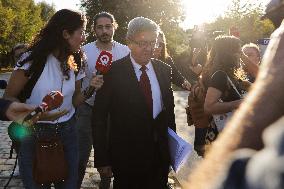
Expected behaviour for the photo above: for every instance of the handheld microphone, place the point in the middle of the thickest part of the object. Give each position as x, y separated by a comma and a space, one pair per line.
3, 84
18, 130
104, 62
103, 65
51, 101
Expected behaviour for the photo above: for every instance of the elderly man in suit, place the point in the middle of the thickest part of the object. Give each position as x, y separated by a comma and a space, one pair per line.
138, 100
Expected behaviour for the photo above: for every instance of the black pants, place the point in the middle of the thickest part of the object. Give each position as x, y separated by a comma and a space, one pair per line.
138, 178
199, 140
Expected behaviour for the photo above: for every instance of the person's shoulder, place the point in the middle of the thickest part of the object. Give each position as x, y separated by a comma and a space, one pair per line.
121, 62
118, 67
88, 46
219, 74
120, 45
161, 64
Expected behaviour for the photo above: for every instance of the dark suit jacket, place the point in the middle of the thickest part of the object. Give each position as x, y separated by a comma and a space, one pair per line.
133, 135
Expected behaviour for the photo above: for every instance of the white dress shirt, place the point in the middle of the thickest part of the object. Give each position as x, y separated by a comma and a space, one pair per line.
155, 87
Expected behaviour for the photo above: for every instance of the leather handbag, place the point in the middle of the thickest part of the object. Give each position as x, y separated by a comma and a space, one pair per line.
49, 164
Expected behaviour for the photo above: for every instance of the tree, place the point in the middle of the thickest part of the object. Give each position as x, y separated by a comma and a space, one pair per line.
47, 10
245, 15
167, 13
20, 20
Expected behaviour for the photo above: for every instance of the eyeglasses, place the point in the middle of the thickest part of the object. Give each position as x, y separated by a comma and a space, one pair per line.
144, 44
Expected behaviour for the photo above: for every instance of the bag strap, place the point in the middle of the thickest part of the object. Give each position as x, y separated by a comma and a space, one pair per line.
234, 87
29, 86
231, 83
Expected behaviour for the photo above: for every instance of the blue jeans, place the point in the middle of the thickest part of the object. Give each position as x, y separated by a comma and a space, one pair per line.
85, 142
68, 135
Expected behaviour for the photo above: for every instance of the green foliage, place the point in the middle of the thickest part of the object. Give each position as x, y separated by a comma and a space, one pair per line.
20, 20
46, 10
167, 13
246, 16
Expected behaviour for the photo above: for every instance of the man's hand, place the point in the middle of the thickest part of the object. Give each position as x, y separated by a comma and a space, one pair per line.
97, 81
186, 85
105, 171
17, 110
197, 69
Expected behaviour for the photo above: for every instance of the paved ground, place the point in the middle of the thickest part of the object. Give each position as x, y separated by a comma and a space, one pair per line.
92, 179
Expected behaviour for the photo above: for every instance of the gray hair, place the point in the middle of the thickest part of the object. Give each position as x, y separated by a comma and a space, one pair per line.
141, 24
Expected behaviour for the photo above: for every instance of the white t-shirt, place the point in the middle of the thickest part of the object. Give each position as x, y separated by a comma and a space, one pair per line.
52, 79
92, 53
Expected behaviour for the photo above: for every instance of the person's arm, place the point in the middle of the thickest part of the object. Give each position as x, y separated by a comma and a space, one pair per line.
16, 83
218, 85
18, 110
101, 110
263, 106
80, 96
177, 77
195, 65
212, 105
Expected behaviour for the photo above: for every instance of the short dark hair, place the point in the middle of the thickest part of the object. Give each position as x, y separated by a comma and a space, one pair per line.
105, 15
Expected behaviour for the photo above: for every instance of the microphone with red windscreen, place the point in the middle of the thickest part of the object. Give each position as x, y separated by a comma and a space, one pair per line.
103, 65
50, 102
104, 62
18, 130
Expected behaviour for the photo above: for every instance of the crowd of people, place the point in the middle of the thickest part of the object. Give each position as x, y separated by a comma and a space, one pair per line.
125, 114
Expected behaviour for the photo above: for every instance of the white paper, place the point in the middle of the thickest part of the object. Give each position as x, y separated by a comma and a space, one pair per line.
179, 150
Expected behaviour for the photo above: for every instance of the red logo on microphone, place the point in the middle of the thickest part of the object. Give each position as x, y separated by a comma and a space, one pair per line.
53, 100
104, 61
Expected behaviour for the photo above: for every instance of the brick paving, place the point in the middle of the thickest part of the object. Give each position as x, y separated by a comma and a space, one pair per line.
92, 178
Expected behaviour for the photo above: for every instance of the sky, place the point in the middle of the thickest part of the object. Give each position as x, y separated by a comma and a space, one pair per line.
197, 11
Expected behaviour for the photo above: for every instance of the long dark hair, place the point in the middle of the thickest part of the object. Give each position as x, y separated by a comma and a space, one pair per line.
222, 56
50, 38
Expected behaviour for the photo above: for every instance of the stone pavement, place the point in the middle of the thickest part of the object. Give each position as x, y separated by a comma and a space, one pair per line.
92, 178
